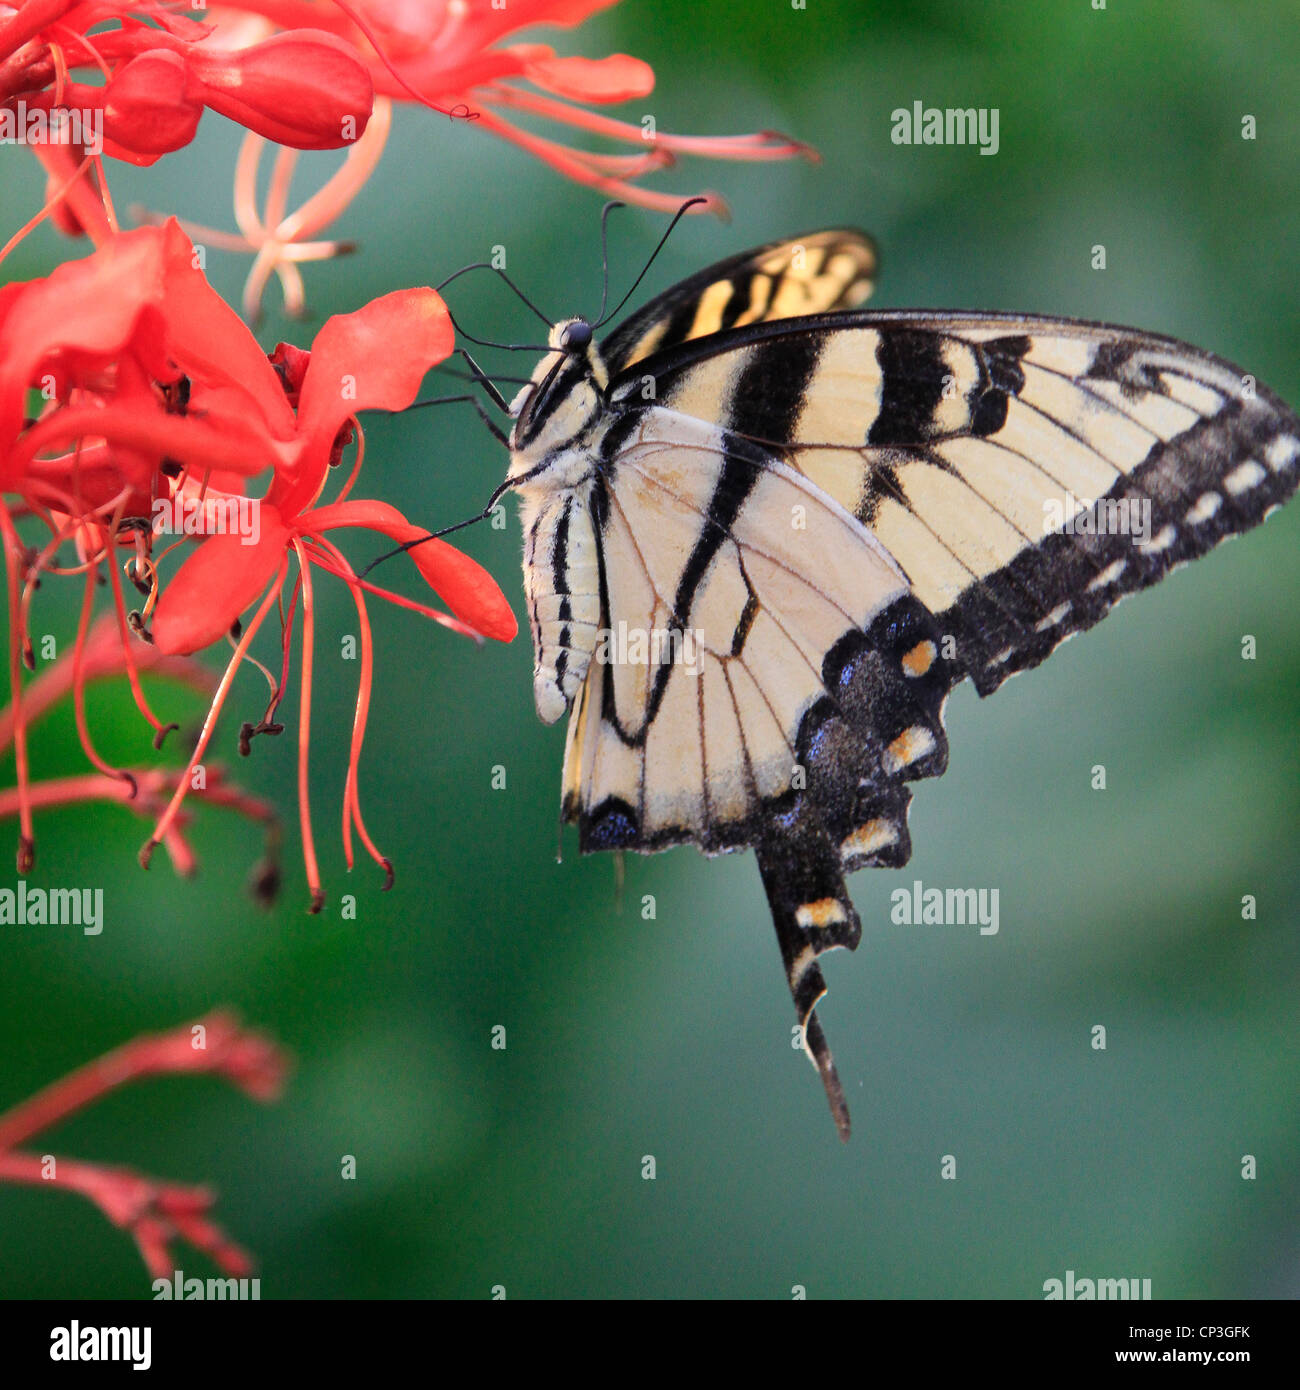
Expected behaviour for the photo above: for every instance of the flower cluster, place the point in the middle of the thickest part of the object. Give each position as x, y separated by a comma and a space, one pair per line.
194, 485
323, 74
157, 1214
157, 403
305, 88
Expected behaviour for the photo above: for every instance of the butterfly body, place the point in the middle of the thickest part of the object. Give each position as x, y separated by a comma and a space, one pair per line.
555, 464
818, 519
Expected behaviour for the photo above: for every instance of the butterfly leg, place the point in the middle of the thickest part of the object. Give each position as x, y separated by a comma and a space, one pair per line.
813, 913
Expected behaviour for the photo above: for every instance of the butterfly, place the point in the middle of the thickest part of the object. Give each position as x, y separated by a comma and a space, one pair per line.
766, 531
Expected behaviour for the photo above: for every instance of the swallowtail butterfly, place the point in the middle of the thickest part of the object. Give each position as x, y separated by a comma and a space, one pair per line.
837, 514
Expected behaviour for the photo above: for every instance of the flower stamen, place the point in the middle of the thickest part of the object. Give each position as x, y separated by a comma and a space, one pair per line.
210, 720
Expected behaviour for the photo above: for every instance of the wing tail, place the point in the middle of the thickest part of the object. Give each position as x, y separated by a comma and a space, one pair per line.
812, 913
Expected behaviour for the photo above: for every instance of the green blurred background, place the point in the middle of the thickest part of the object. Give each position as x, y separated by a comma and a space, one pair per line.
523, 1167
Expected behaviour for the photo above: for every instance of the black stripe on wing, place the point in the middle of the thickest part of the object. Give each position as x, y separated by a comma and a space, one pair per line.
675, 310
1217, 479
768, 394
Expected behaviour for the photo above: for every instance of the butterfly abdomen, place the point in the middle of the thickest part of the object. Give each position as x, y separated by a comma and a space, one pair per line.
563, 595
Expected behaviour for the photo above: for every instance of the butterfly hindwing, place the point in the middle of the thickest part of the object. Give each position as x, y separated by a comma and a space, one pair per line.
805, 689
692, 736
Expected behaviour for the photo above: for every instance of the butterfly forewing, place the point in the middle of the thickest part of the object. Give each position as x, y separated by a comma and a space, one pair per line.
812, 274
1024, 472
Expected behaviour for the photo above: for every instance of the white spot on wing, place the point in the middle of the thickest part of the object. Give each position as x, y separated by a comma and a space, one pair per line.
1109, 575
1054, 617
1244, 477
1282, 451
825, 912
868, 838
1207, 504
913, 743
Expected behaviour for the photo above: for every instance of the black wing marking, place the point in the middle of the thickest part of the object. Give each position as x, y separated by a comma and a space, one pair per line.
954, 482
816, 273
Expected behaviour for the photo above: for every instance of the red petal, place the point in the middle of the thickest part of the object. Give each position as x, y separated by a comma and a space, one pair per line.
463, 584
210, 342
616, 78
147, 104
308, 89
142, 294
374, 359
234, 444
90, 306
215, 585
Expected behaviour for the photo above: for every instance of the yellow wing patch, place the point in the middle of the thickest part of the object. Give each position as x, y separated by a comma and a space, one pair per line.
820, 273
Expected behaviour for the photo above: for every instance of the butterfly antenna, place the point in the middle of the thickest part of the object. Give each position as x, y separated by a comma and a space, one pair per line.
488, 342
496, 270
604, 255
446, 530
677, 217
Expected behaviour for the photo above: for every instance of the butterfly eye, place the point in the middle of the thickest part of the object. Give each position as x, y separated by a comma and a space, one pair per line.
576, 337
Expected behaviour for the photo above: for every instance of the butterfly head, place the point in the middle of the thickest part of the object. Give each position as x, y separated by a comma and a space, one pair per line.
573, 336
563, 398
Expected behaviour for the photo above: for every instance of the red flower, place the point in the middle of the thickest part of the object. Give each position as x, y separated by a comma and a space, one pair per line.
102, 655
308, 89
373, 359
158, 396
157, 1214
450, 54
106, 340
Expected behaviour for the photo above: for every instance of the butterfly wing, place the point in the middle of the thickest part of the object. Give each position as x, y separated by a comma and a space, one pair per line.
812, 274
850, 513
767, 674
1025, 473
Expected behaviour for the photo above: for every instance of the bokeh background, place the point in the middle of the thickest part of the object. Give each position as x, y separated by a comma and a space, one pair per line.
523, 1168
